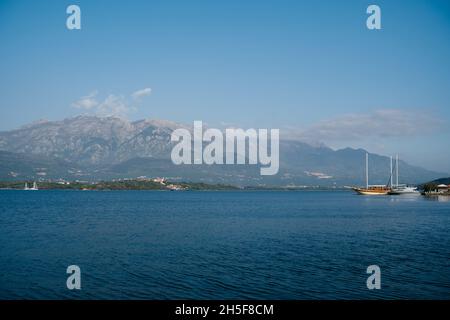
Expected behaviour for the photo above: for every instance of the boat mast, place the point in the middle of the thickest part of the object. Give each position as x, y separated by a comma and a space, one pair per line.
367, 170
390, 176
396, 170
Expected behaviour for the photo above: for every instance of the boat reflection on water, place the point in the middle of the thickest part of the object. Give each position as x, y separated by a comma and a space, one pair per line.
438, 198
407, 197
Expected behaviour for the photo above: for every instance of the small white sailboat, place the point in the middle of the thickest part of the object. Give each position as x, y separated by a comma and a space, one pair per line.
397, 188
35, 187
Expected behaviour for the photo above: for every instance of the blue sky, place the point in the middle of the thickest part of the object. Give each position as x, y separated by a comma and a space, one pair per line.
310, 68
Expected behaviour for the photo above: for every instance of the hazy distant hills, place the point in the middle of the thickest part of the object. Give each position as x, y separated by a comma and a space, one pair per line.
92, 148
441, 181
89, 140
17, 166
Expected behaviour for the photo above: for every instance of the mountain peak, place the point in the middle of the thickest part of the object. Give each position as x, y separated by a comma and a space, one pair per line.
35, 123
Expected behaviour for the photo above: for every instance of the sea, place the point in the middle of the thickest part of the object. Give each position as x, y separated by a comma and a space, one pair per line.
223, 245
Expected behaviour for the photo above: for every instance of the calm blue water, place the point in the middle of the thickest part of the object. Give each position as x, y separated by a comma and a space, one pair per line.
222, 245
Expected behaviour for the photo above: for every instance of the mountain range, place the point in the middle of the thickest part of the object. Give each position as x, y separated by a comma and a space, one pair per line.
101, 148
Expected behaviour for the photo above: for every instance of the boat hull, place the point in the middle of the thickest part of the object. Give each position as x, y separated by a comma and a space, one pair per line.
403, 190
371, 192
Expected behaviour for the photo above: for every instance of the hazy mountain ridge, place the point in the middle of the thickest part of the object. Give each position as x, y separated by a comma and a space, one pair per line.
91, 148
89, 140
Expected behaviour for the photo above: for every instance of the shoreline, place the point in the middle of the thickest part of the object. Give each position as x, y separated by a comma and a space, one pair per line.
164, 185
124, 185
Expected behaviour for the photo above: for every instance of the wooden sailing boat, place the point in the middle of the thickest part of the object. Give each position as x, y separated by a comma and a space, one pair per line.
371, 190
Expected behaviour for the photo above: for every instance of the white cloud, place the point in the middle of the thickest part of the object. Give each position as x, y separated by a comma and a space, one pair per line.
141, 93
384, 123
87, 102
112, 105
